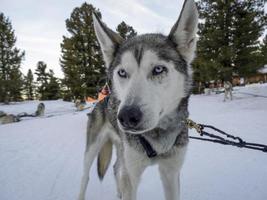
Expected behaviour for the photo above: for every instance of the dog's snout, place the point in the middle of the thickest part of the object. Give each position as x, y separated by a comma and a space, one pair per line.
130, 117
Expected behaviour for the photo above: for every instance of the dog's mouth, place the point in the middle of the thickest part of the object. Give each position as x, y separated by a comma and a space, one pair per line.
136, 130
130, 130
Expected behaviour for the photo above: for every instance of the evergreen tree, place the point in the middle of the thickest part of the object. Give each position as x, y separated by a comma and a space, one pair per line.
214, 47
248, 25
42, 80
53, 87
125, 30
11, 81
29, 85
264, 51
48, 85
81, 58
228, 38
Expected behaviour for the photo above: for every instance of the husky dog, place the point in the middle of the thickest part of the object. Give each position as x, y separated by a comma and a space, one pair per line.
40, 110
2, 113
228, 90
6, 119
144, 116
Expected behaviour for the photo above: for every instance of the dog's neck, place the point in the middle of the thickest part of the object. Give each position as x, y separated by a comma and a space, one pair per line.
171, 131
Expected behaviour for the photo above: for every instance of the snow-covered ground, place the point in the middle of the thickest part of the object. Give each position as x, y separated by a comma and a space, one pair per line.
41, 159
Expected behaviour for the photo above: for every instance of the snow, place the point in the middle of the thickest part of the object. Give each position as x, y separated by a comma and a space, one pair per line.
263, 70
41, 159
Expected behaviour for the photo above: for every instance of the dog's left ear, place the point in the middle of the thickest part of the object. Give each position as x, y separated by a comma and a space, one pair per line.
183, 33
108, 39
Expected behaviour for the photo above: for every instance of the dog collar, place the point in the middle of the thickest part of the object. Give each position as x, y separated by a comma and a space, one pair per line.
150, 152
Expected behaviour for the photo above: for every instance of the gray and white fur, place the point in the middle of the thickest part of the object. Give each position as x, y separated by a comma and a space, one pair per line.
228, 90
151, 83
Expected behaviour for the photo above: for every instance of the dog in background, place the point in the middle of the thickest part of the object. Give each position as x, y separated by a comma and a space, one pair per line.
228, 90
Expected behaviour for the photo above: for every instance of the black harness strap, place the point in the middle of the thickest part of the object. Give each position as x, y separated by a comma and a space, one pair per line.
151, 153
232, 140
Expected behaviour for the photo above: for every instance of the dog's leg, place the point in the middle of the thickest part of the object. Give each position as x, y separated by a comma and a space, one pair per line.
89, 156
170, 175
133, 165
129, 181
231, 94
96, 137
171, 182
225, 95
117, 168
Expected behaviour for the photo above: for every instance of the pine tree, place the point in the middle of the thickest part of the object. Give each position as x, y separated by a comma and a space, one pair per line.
248, 25
11, 81
264, 51
29, 85
48, 85
42, 80
214, 51
81, 58
126, 31
53, 87
228, 38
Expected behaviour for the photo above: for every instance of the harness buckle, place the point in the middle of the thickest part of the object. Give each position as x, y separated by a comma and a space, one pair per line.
193, 125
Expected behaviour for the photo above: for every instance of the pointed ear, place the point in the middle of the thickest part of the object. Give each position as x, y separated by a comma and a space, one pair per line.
108, 39
183, 33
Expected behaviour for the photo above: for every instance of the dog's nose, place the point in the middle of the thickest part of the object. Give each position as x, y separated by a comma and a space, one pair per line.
130, 116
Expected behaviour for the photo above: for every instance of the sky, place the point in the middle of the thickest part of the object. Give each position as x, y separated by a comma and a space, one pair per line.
40, 25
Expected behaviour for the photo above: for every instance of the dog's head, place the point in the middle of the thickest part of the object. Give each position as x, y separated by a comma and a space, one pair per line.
150, 73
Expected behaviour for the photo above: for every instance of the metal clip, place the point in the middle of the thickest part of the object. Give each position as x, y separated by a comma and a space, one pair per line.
191, 124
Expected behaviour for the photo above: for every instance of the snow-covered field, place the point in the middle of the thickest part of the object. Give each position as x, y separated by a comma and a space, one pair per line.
41, 159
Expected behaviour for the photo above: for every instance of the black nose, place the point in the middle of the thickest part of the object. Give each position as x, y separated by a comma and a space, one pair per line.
130, 116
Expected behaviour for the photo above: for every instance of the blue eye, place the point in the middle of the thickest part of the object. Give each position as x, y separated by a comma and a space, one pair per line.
122, 73
159, 69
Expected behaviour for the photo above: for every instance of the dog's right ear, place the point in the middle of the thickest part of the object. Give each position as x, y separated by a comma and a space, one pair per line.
183, 33
108, 39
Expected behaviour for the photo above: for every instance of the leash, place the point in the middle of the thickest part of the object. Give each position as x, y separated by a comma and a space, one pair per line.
24, 114
232, 140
